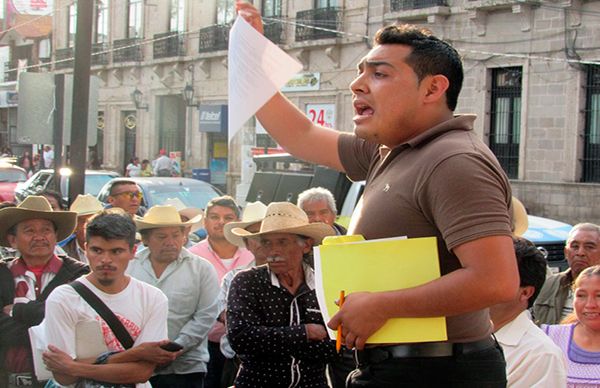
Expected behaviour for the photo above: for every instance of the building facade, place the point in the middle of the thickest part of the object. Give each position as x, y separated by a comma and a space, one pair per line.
532, 75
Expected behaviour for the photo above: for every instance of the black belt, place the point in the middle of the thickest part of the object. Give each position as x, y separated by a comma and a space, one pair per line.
373, 355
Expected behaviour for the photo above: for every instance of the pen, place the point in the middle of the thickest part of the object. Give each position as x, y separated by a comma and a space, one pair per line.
338, 340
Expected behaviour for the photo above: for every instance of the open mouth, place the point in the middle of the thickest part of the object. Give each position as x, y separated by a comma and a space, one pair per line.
363, 109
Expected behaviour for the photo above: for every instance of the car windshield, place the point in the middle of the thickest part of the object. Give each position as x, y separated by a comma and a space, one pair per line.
93, 183
191, 196
12, 176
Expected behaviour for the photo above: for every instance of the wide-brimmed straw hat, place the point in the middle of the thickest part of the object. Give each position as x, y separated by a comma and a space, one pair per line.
520, 223
285, 217
160, 216
36, 207
187, 212
253, 212
85, 205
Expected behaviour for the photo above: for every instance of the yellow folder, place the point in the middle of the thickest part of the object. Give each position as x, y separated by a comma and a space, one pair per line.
352, 264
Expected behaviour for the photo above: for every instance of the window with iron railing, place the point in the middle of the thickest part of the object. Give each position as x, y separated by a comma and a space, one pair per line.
127, 50
225, 11
213, 38
177, 15
63, 58
319, 23
168, 44
505, 125
71, 25
273, 29
591, 138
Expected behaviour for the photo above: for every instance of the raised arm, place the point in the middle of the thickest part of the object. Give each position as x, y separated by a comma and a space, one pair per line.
287, 124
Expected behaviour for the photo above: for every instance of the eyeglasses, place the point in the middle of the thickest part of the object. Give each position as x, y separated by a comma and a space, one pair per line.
130, 194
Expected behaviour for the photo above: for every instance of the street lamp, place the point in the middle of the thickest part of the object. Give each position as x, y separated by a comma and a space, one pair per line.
136, 97
188, 95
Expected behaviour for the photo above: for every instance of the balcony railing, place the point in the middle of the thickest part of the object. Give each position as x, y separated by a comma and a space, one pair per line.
274, 31
12, 74
404, 5
100, 54
328, 18
61, 55
127, 50
168, 44
214, 38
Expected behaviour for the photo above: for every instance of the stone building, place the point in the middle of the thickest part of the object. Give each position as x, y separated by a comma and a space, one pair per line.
532, 75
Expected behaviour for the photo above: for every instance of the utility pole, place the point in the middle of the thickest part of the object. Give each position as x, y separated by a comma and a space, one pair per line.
81, 96
59, 97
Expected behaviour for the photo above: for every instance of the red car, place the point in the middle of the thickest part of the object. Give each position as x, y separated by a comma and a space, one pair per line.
10, 175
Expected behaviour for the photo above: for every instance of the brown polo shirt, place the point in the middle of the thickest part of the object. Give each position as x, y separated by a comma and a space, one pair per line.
444, 183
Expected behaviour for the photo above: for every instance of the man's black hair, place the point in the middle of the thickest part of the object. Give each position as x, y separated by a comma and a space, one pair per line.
224, 201
54, 194
118, 183
430, 56
111, 225
532, 266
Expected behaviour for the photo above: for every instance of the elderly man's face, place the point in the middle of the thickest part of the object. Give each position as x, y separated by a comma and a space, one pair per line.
253, 244
34, 238
128, 197
284, 251
165, 243
319, 211
582, 250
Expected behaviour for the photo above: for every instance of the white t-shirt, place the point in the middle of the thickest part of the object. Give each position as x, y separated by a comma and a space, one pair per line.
48, 158
140, 307
134, 170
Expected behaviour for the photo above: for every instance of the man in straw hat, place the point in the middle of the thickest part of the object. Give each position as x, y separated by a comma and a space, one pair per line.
32, 228
85, 206
187, 213
191, 285
273, 318
252, 217
139, 307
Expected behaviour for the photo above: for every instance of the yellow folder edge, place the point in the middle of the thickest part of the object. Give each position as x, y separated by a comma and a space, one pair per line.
352, 264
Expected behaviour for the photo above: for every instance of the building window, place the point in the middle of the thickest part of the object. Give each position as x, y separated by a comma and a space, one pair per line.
71, 25
101, 26
271, 8
325, 3
177, 20
505, 128
591, 139
225, 11
134, 19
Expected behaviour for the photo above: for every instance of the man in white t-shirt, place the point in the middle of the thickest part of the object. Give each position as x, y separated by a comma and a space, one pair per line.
48, 156
140, 307
134, 168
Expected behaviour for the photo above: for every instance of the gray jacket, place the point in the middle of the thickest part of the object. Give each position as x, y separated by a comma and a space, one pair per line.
549, 304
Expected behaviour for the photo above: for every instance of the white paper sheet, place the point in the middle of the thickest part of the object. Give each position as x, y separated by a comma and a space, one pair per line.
257, 70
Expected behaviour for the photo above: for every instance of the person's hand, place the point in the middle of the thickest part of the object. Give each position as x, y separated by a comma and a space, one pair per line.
57, 361
152, 352
250, 14
7, 309
359, 317
315, 332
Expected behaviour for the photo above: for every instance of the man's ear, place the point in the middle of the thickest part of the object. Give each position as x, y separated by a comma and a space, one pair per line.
309, 244
110, 199
525, 293
436, 86
12, 240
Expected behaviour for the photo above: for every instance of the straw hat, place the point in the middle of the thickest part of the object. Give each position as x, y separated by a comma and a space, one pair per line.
162, 217
253, 212
187, 212
520, 222
85, 205
36, 207
285, 217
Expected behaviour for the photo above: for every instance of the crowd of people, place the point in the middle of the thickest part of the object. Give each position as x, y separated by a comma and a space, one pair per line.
240, 308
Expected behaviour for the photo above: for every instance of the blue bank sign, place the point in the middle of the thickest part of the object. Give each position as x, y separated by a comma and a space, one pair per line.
213, 118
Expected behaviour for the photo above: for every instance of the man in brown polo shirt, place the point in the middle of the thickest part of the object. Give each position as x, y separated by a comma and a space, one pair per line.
427, 174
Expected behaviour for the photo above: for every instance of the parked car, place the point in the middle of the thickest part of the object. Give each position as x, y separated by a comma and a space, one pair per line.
44, 179
10, 176
156, 190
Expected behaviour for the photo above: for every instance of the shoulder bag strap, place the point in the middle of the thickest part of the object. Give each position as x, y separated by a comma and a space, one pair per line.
109, 317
